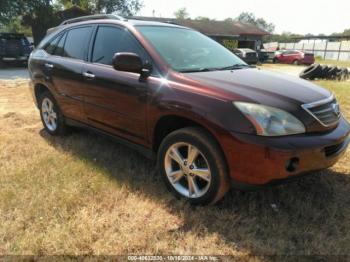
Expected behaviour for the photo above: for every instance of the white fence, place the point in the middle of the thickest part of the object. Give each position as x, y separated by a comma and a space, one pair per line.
326, 50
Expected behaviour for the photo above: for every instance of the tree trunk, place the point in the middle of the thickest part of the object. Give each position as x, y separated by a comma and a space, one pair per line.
38, 32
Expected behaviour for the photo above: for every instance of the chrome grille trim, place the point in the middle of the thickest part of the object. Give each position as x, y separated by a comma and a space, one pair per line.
326, 116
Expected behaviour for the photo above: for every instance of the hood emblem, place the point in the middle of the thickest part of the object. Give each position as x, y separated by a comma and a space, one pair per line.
336, 109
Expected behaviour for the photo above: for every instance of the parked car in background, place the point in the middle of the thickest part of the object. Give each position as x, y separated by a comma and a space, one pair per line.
14, 48
247, 55
177, 95
294, 57
266, 55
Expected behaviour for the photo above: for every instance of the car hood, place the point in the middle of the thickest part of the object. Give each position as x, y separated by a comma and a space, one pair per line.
261, 86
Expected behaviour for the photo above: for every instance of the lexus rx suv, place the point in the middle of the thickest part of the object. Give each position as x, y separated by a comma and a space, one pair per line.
170, 92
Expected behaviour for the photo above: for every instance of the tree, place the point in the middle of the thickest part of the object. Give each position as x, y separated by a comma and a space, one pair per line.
16, 26
249, 18
346, 32
285, 37
40, 14
37, 14
203, 18
182, 13
123, 7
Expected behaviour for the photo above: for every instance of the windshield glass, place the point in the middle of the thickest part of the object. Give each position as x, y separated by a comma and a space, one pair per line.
186, 50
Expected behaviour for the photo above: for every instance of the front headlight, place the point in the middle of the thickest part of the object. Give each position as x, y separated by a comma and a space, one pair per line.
270, 121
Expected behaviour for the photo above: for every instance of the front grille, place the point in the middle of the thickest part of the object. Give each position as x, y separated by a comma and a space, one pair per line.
326, 111
331, 150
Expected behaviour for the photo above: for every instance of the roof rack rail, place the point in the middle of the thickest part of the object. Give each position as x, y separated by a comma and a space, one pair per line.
92, 17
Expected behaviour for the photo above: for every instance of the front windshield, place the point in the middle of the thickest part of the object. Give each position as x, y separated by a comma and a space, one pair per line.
186, 50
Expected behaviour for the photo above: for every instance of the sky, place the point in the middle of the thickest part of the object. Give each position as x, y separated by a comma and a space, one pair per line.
296, 16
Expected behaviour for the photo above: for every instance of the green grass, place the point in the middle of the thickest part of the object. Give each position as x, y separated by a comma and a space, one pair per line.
333, 62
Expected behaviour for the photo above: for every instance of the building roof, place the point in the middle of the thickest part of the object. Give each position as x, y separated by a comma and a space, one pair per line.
212, 27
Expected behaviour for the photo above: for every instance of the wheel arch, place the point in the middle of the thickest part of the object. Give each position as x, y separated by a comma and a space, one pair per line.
39, 89
172, 122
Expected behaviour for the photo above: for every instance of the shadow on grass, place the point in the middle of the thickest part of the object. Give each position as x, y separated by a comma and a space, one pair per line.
309, 216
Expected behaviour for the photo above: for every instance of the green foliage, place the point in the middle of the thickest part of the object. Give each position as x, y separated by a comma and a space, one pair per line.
16, 26
249, 18
123, 7
203, 18
346, 31
40, 14
182, 13
230, 44
285, 37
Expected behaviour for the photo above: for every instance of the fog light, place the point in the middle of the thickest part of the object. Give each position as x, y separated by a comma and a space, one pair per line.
292, 164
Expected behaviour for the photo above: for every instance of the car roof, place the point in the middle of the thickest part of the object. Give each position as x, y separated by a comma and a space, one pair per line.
125, 22
136, 22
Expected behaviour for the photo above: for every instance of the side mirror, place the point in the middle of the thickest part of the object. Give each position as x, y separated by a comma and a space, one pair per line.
131, 62
128, 62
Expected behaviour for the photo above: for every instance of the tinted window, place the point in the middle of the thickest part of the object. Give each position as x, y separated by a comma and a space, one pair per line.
59, 50
50, 47
110, 40
77, 42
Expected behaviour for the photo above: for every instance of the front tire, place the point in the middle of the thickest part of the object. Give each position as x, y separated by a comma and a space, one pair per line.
193, 166
51, 115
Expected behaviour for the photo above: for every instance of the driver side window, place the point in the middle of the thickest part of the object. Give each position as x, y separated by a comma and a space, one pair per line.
110, 40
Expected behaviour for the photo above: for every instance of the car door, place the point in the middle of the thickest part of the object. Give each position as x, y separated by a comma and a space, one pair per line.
289, 57
65, 67
115, 101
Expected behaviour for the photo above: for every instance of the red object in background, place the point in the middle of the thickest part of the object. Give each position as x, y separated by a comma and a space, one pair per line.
294, 57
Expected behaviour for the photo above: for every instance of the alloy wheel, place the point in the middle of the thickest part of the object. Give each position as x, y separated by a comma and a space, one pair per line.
187, 169
49, 114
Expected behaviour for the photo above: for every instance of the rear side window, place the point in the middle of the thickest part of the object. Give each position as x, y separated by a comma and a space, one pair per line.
110, 40
59, 50
76, 42
50, 47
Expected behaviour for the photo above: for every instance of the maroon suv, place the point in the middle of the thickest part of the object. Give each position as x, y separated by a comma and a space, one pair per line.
171, 92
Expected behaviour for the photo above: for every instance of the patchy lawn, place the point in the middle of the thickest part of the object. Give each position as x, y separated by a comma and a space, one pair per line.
83, 194
333, 62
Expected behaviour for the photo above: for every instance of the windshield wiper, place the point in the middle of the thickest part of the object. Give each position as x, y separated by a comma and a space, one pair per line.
203, 69
232, 67
206, 69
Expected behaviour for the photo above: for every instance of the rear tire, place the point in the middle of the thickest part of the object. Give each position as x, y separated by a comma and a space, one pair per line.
193, 166
51, 115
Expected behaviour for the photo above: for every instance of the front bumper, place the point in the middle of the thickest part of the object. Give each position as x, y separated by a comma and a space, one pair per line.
258, 160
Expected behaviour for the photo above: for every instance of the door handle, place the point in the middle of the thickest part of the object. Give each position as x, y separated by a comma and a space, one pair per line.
49, 66
88, 75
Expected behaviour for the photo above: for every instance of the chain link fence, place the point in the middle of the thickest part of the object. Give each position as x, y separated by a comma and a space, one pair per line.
327, 50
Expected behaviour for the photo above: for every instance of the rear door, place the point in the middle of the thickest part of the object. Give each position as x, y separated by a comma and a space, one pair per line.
64, 68
115, 101
289, 57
